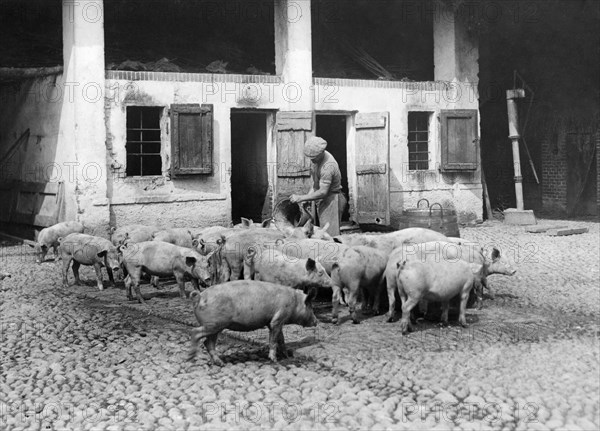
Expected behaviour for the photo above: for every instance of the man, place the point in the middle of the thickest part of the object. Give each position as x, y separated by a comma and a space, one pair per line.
327, 185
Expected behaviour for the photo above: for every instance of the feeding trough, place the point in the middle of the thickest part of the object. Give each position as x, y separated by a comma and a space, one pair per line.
433, 217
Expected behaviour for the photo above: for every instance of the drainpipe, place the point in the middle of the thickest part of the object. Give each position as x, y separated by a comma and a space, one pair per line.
513, 134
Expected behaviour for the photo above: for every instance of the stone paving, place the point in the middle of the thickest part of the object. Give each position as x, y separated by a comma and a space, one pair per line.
79, 358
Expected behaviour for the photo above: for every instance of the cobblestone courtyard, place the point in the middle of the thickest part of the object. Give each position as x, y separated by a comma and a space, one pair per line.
79, 358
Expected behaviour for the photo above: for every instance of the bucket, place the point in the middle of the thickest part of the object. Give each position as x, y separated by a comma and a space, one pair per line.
291, 214
438, 219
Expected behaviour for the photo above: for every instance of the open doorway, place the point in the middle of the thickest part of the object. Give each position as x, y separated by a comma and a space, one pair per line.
249, 178
332, 128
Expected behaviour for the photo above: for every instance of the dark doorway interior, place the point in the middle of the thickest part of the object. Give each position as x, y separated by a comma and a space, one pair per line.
249, 179
332, 128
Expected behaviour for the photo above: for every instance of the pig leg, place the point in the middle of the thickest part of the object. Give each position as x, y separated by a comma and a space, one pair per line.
76, 266
274, 335
128, 287
391, 291
181, 283
98, 269
407, 305
66, 263
196, 284
484, 284
56, 255
134, 277
336, 295
281, 346
445, 308
111, 278
464, 297
353, 288
154, 281
211, 343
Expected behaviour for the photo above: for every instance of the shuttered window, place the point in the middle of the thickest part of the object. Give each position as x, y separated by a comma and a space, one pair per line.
460, 141
192, 140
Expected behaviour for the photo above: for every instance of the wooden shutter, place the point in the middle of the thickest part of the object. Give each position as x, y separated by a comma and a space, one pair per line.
372, 173
192, 139
293, 168
460, 142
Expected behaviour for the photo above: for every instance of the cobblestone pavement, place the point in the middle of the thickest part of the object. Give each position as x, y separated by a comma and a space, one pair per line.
79, 358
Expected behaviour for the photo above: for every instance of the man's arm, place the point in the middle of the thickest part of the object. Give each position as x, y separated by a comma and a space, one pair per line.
313, 195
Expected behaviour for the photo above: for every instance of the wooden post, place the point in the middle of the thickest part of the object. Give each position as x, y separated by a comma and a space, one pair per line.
513, 129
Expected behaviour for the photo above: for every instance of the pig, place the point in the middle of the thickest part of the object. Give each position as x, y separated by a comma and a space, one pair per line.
85, 249
424, 276
238, 243
360, 267
246, 305
273, 266
162, 259
309, 230
48, 237
132, 233
448, 252
327, 253
249, 224
387, 242
177, 236
207, 240
4, 275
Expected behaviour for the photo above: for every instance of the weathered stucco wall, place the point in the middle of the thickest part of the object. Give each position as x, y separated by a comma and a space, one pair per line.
202, 200
461, 191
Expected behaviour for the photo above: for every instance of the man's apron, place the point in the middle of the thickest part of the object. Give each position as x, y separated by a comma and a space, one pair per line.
330, 210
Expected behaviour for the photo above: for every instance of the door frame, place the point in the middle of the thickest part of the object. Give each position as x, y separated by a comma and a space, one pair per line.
271, 144
350, 152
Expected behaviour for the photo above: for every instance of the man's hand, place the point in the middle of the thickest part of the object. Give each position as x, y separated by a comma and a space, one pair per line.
295, 198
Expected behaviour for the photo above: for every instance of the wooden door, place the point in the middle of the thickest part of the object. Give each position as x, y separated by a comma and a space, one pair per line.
372, 168
293, 168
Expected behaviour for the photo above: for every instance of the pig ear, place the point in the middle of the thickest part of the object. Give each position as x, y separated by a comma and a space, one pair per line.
195, 242
495, 253
336, 239
266, 223
246, 222
112, 230
103, 253
190, 260
121, 248
310, 265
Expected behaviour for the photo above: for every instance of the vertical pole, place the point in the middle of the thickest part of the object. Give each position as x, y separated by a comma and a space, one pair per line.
513, 129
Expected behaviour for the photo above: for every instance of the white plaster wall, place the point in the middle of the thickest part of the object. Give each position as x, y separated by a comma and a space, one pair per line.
460, 191
201, 199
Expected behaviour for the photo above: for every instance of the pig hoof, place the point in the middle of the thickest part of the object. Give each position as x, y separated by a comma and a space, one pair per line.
218, 362
334, 320
355, 321
289, 353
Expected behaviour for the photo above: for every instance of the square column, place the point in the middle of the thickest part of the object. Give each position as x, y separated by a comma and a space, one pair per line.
82, 126
293, 53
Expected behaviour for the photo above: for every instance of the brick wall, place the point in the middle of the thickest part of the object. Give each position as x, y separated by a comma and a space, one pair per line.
554, 171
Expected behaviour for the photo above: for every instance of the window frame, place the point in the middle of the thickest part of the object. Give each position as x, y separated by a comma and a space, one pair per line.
161, 111
429, 115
